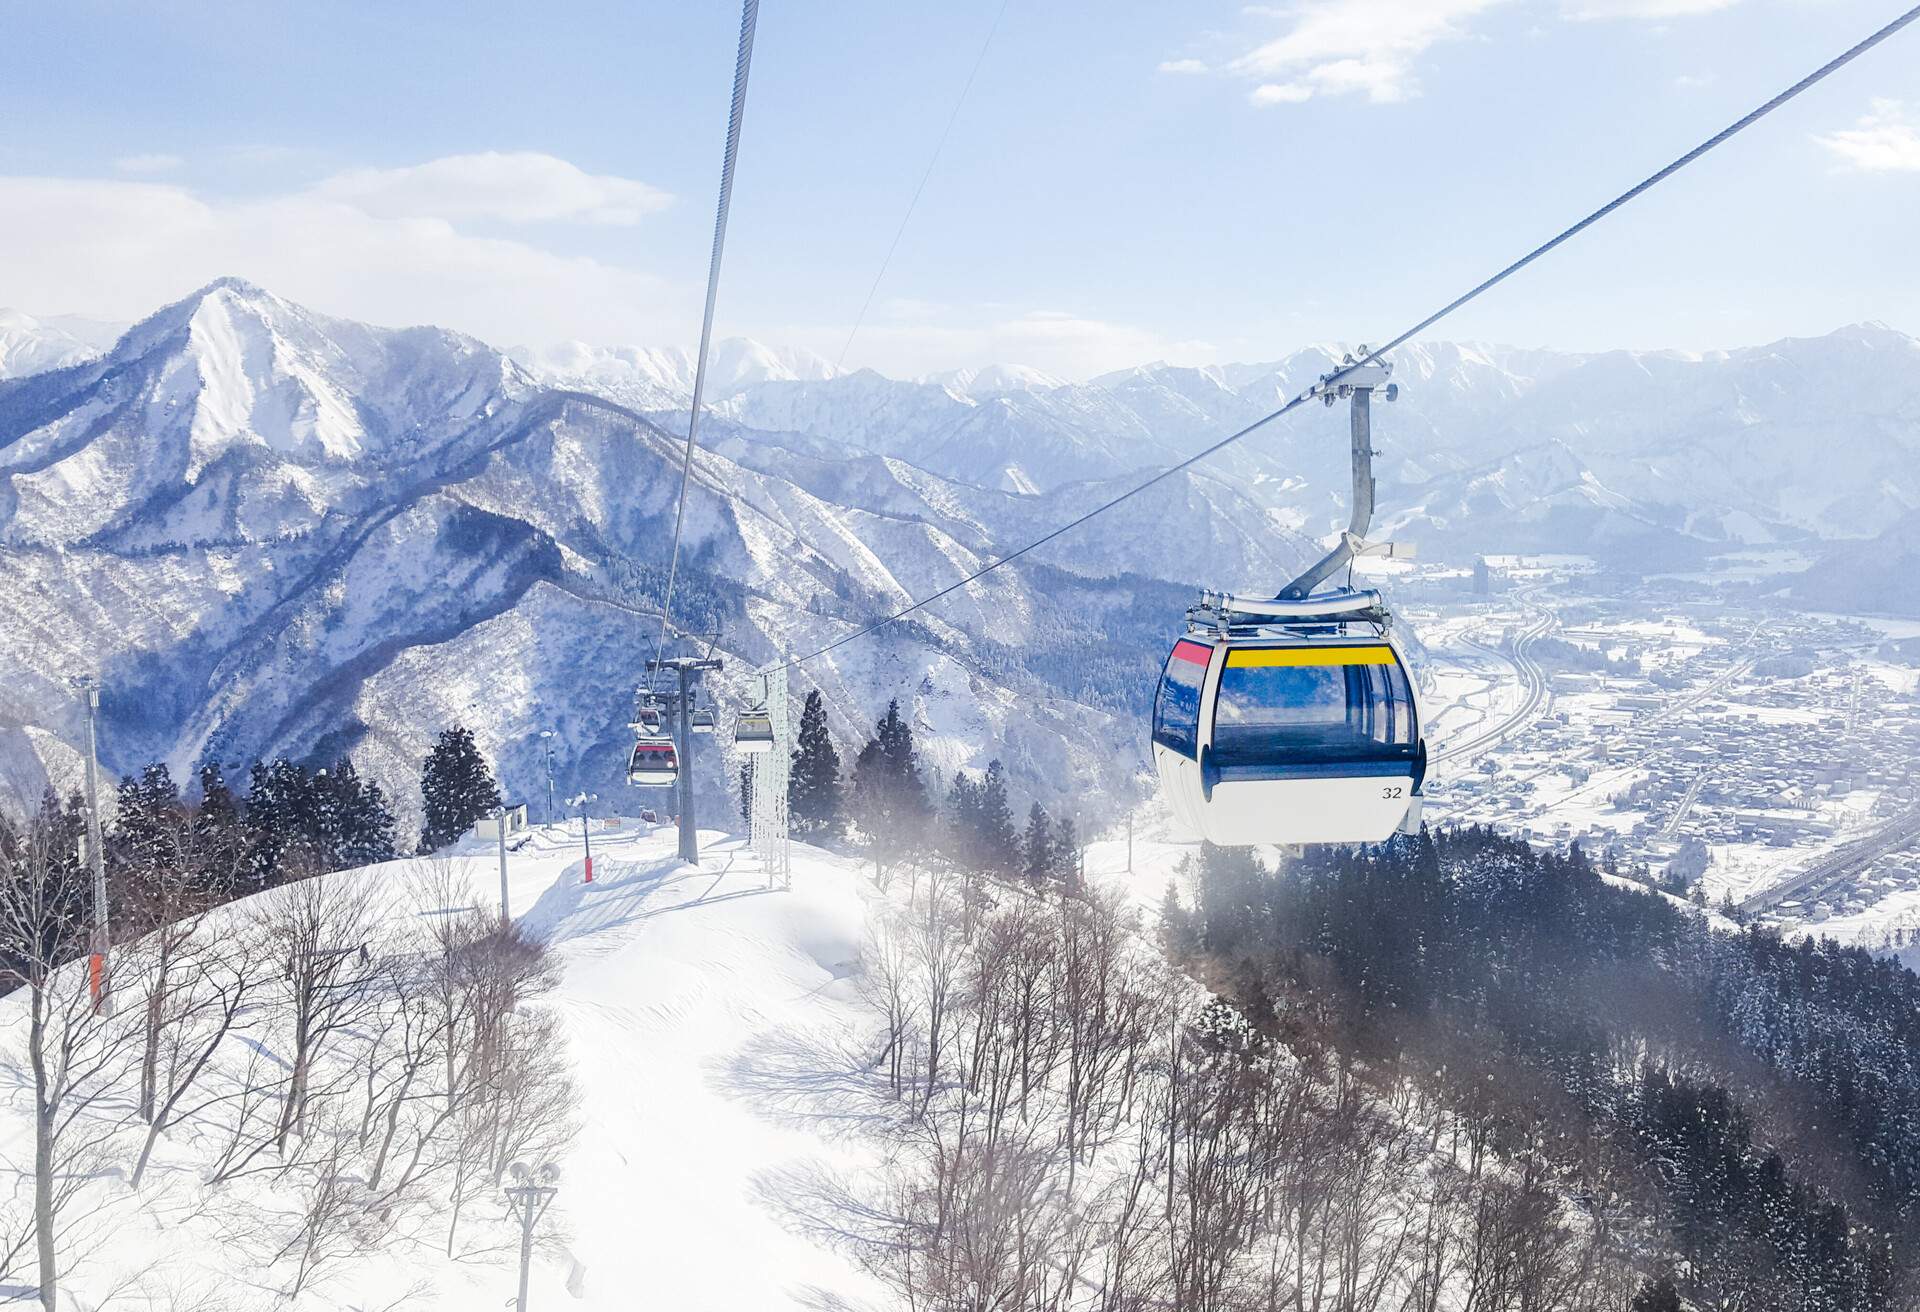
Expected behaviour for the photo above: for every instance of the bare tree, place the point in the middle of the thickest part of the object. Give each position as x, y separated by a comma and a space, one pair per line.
80, 1057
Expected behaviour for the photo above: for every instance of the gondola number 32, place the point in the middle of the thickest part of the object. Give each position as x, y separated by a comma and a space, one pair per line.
1394, 790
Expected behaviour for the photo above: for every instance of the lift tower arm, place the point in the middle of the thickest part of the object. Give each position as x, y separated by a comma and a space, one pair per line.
1358, 386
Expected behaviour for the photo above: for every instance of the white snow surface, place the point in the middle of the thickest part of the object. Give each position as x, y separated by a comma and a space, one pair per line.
682, 988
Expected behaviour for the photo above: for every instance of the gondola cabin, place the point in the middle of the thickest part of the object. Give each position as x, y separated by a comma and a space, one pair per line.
701, 719
753, 731
1280, 737
654, 763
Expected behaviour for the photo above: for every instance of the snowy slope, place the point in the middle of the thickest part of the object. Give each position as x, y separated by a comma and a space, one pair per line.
681, 988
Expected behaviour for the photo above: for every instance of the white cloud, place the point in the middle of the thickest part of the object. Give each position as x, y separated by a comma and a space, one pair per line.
1183, 66
1280, 93
1370, 47
1886, 140
513, 186
142, 164
120, 249
1693, 81
1374, 48
1654, 9
1062, 343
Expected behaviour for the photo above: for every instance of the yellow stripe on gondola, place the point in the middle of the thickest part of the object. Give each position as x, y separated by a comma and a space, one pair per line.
1371, 655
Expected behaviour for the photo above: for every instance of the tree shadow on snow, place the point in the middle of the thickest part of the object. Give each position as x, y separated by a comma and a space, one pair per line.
623, 893
808, 1080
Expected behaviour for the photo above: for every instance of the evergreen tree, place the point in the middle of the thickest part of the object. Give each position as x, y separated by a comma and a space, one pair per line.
1066, 855
279, 824
352, 823
815, 805
999, 844
145, 821
219, 835
1657, 1296
889, 797
1036, 846
456, 788
147, 843
1179, 935
960, 834
746, 794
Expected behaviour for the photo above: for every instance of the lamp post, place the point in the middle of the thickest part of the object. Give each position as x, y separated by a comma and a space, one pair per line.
586, 838
530, 1195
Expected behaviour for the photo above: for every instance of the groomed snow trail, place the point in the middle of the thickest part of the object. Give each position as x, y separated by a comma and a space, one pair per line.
681, 988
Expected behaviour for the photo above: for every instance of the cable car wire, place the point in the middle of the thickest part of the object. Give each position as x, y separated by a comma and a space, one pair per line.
938, 146
743, 63
1368, 357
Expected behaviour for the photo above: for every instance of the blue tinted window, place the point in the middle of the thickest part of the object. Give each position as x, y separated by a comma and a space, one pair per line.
1277, 714
1176, 709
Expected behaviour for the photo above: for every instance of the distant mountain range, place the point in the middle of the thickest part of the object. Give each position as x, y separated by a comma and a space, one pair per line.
1489, 448
275, 531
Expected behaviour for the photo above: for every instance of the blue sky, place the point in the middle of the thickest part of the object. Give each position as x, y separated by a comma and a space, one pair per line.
1125, 182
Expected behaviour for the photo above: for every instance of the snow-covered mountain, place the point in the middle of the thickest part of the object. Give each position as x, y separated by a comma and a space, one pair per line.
1880, 576
1723, 447
661, 378
30, 345
274, 531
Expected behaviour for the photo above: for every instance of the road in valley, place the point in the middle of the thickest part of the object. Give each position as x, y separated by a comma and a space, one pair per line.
1526, 672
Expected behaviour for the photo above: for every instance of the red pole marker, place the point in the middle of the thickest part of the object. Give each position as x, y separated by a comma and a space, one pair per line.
589, 870
96, 976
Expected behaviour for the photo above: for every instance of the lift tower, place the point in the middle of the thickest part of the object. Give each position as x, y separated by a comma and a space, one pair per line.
687, 670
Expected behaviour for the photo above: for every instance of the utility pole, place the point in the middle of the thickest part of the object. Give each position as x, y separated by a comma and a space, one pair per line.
546, 736
586, 838
687, 670
530, 1195
98, 981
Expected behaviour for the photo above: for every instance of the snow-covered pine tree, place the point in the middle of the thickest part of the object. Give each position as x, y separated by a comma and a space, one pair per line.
1036, 846
280, 823
746, 793
219, 835
456, 788
816, 807
889, 798
145, 817
355, 826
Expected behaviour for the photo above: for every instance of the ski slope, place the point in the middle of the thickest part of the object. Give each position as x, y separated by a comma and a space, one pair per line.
681, 988
691, 996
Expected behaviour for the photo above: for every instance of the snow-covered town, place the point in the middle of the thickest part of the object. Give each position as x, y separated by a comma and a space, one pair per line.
1764, 755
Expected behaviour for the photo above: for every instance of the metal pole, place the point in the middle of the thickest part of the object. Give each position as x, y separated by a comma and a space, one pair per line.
586, 839
500, 826
526, 1248
689, 835
548, 735
530, 1202
97, 976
